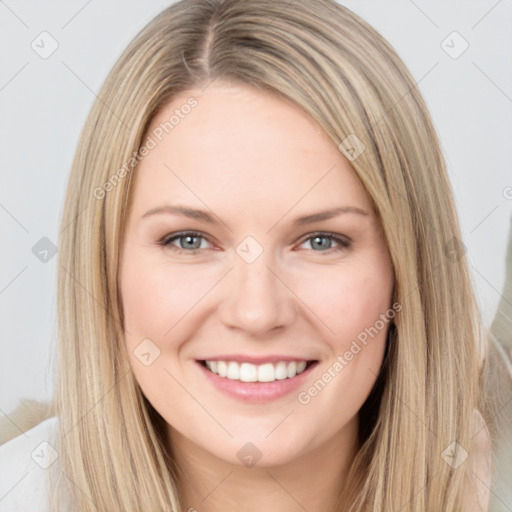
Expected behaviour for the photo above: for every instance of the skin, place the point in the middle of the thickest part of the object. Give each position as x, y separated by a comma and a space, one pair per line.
255, 162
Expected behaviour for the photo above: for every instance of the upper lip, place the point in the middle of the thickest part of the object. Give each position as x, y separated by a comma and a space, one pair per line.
238, 358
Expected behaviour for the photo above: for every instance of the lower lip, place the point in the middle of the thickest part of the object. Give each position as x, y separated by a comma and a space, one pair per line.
257, 392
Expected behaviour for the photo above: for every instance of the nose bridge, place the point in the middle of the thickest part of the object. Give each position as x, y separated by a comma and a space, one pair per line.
256, 300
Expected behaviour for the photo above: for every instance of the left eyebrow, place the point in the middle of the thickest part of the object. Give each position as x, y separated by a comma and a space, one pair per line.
328, 214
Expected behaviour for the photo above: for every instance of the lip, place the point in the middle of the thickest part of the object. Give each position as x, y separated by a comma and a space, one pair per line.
256, 392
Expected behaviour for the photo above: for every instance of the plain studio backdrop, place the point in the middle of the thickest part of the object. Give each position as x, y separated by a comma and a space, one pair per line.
55, 56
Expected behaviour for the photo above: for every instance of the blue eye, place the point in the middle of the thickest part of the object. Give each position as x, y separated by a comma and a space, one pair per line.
190, 242
318, 241
187, 240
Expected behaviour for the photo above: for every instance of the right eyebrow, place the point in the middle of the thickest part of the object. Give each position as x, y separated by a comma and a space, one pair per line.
192, 213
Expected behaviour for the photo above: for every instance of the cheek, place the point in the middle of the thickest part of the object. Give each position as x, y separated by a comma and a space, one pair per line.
156, 301
157, 298
357, 310
350, 300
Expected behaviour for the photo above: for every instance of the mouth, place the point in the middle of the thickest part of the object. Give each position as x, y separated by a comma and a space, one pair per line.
258, 381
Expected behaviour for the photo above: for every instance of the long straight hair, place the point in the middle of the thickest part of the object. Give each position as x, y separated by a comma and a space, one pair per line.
347, 77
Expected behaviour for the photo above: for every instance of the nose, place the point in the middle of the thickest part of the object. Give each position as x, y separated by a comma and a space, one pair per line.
256, 299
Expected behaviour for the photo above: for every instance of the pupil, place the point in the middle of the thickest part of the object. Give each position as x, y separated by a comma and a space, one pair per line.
320, 245
190, 241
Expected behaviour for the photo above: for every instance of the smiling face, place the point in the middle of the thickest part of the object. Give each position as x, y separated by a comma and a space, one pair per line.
254, 286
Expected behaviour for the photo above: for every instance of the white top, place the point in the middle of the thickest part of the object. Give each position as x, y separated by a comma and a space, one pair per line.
24, 463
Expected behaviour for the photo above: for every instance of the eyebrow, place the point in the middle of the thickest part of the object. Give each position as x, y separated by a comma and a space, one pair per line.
204, 216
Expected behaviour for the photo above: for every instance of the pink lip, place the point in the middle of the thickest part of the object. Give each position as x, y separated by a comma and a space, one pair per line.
255, 359
256, 392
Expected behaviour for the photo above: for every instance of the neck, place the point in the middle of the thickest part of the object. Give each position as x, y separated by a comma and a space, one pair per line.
313, 481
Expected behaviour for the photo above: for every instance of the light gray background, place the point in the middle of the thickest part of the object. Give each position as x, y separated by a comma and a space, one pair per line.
44, 103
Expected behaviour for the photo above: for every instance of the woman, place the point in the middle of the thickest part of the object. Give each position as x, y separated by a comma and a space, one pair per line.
248, 370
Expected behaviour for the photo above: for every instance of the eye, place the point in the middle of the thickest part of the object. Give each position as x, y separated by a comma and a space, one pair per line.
189, 242
323, 241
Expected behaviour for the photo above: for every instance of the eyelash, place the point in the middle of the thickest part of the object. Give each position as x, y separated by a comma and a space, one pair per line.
343, 243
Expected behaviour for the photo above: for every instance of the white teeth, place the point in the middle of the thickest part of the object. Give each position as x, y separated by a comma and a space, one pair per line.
222, 368
266, 373
281, 371
292, 369
233, 371
247, 372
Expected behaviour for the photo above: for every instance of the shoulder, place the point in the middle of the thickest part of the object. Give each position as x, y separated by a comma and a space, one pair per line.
478, 491
24, 464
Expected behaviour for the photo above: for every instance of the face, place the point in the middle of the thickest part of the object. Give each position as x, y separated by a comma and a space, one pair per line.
262, 320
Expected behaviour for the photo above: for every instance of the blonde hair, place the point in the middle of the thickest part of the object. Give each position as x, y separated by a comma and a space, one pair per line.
340, 71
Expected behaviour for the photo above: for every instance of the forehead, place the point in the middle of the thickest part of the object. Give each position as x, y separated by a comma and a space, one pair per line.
245, 147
